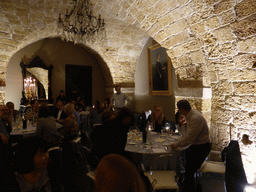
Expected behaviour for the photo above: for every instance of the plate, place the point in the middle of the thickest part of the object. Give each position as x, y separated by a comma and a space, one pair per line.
132, 143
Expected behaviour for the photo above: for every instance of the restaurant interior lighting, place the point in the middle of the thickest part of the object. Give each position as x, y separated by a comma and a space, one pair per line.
80, 25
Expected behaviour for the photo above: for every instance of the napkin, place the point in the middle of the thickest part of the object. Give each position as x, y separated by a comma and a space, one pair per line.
175, 136
159, 150
160, 140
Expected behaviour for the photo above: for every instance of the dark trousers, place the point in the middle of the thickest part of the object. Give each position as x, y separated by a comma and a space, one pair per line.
195, 156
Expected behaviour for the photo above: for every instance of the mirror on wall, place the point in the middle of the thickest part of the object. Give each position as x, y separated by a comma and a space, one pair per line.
36, 80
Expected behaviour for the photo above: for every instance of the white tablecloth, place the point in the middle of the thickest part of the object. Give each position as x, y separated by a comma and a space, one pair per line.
159, 144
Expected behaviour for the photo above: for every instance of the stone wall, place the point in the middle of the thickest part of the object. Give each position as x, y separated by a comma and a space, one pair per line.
212, 44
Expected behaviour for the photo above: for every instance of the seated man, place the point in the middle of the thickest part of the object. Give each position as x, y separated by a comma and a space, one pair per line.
5, 118
111, 137
59, 114
12, 112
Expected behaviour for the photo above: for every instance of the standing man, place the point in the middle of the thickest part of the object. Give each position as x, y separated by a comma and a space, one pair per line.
119, 99
197, 136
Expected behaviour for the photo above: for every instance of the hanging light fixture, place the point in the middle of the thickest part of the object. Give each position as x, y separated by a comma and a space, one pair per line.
80, 25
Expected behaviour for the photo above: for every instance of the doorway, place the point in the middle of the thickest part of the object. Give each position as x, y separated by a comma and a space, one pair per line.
79, 82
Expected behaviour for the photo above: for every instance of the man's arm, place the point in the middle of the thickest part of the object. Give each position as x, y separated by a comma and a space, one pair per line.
127, 98
113, 100
194, 128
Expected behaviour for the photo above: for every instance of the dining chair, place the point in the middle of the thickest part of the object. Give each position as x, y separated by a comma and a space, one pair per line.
91, 162
209, 166
161, 175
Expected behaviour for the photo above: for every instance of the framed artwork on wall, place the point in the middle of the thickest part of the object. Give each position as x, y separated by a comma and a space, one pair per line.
159, 71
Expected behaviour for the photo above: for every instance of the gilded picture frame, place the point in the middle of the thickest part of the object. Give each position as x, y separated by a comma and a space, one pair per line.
159, 71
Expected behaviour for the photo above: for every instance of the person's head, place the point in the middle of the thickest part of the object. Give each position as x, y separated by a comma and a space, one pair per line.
107, 116
44, 111
60, 105
125, 115
4, 110
158, 111
69, 109
97, 104
72, 101
118, 89
157, 114
31, 154
10, 105
106, 101
184, 107
61, 93
115, 173
180, 118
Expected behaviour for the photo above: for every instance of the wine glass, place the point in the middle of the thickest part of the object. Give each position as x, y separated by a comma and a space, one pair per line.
167, 127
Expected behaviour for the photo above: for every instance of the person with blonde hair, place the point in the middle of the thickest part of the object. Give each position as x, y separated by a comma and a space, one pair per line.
157, 118
115, 173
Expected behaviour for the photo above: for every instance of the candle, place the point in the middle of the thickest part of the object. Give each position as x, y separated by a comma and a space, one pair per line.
59, 15
99, 16
66, 11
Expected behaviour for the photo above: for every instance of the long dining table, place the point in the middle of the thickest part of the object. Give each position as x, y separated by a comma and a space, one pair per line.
157, 144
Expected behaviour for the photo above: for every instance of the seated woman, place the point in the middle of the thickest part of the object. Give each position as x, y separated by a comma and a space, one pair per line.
70, 128
180, 121
107, 105
157, 118
46, 126
30, 173
115, 173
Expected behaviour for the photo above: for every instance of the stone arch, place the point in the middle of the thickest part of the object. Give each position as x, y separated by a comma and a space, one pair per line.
214, 38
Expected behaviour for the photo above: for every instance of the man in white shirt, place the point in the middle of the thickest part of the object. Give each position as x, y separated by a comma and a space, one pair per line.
198, 140
119, 99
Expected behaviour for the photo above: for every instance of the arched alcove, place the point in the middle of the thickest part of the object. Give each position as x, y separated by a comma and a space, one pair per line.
57, 53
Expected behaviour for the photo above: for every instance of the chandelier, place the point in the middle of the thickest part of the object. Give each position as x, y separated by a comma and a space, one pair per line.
80, 25
30, 88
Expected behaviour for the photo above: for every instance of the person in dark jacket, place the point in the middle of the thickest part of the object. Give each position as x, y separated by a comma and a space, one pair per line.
111, 137
30, 168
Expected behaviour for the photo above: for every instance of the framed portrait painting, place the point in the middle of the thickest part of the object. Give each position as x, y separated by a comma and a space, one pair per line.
159, 71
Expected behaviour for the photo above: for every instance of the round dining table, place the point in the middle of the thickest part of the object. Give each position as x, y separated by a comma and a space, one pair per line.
17, 129
157, 144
